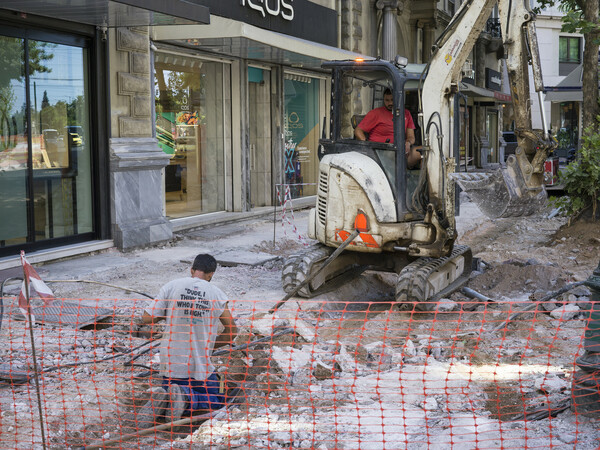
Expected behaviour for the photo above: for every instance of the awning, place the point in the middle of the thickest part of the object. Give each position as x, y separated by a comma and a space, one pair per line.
233, 38
480, 94
114, 13
569, 89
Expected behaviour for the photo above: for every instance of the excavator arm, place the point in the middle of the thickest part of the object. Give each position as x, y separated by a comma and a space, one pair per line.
517, 189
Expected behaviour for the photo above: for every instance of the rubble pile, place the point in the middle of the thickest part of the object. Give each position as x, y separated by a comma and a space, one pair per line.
371, 379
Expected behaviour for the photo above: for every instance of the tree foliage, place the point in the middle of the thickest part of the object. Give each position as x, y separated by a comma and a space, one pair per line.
581, 178
12, 58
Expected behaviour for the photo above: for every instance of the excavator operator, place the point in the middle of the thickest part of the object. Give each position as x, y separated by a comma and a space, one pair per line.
379, 125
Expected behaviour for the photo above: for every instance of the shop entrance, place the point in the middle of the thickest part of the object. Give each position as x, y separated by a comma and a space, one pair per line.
259, 122
191, 102
45, 146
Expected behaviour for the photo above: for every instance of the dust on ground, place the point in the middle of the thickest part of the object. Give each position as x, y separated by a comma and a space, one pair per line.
371, 376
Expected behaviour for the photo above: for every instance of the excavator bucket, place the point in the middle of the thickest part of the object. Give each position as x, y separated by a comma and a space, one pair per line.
498, 194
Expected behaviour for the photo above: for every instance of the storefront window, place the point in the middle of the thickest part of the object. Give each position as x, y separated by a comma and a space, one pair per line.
302, 133
491, 128
44, 142
190, 126
568, 133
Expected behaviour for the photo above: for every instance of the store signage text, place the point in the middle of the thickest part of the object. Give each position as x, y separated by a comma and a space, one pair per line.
493, 79
272, 7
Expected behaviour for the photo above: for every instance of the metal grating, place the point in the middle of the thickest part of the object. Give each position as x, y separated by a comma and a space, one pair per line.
322, 198
69, 314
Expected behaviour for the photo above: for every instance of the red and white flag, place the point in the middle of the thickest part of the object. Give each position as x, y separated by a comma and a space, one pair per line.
35, 283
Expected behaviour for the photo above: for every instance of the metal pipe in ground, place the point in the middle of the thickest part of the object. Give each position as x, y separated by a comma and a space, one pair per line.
474, 294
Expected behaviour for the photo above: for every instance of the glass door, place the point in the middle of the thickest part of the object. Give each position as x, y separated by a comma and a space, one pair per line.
491, 125
14, 149
45, 152
190, 96
259, 94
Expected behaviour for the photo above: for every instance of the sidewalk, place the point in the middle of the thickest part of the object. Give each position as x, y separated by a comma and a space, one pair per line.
245, 242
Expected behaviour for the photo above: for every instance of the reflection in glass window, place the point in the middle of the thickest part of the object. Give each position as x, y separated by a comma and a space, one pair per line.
13, 143
45, 98
189, 99
60, 142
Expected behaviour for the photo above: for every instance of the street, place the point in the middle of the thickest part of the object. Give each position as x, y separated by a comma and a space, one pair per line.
391, 380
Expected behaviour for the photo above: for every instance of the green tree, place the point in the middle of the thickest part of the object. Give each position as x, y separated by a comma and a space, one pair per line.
581, 16
581, 179
12, 57
45, 101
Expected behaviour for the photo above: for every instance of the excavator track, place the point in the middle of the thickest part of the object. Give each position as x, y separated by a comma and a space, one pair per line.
297, 268
414, 288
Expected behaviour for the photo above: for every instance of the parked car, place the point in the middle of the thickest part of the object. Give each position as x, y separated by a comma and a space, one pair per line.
511, 143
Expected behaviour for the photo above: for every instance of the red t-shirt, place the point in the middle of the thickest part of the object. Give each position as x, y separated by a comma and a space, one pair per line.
380, 125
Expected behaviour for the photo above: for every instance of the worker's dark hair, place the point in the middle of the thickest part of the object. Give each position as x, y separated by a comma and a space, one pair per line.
387, 91
205, 263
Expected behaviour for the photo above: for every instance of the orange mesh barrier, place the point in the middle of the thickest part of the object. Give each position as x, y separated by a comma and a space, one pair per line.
316, 376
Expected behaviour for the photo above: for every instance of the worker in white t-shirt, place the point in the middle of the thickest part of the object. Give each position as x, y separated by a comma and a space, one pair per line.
193, 309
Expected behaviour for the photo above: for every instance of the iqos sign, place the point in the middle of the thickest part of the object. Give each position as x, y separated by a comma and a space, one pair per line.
275, 8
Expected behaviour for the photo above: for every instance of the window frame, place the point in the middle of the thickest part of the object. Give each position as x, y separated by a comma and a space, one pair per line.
569, 39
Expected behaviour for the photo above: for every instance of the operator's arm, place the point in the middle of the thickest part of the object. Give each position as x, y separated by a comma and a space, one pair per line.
230, 331
410, 140
360, 134
413, 156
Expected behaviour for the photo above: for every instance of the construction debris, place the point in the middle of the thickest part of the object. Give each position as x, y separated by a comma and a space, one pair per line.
443, 371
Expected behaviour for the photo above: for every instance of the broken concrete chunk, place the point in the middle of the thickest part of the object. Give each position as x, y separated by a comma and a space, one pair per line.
549, 306
565, 312
430, 404
436, 350
379, 355
581, 291
446, 305
324, 371
409, 348
551, 384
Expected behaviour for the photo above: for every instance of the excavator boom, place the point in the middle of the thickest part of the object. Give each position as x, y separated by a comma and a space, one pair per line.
394, 216
518, 188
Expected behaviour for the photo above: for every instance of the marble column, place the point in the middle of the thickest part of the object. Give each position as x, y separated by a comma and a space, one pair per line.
136, 160
137, 195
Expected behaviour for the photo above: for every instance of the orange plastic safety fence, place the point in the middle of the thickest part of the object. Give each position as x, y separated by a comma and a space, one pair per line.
316, 375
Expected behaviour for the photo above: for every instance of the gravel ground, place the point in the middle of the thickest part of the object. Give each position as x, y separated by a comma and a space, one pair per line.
370, 379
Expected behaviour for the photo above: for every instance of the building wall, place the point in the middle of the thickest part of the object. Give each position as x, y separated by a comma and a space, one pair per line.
136, 161
548, 26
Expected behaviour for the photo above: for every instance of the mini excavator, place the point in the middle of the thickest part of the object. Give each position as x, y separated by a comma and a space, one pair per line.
405, 217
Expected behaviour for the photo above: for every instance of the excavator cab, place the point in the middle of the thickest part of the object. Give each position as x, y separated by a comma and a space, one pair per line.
358, 88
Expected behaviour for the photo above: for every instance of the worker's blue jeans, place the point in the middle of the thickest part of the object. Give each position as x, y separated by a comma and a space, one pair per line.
202, 395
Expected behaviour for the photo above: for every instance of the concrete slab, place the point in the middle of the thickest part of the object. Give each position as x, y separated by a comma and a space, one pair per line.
210, 233
81, 267
10, 273
63, 313
239, 258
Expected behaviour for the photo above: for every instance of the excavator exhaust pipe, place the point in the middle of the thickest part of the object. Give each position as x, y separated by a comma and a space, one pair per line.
500, 194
